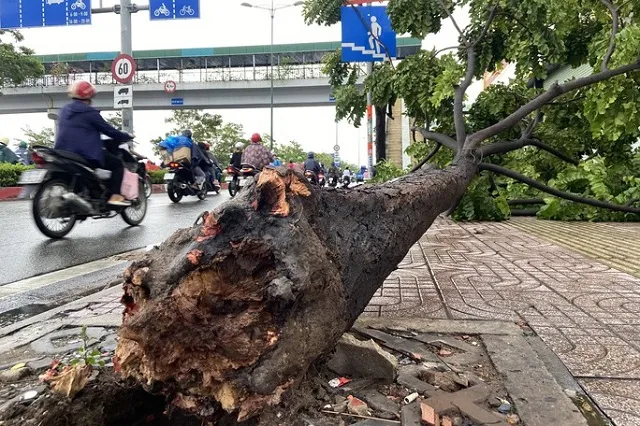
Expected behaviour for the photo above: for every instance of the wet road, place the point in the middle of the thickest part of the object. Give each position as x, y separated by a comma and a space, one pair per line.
25, 252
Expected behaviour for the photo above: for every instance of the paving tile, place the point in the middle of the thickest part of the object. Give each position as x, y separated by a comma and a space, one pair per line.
620, 399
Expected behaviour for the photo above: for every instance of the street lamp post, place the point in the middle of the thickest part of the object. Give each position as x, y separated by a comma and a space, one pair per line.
272, 12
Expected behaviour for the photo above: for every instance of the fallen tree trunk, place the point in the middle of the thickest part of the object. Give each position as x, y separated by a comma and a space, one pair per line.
227, 316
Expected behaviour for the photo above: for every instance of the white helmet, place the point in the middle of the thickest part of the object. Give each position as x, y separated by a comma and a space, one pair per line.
239, 145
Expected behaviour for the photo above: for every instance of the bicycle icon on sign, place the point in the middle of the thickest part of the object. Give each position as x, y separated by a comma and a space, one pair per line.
78, 4
162, 10
187, 10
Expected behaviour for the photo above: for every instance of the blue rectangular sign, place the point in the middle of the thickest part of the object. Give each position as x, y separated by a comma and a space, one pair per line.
177, 101
359, 26
160, 10
44, 13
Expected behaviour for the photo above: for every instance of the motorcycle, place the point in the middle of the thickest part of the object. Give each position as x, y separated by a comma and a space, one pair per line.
346, 181
66, 188
142, 171
315, 178
333, 180
237, 178
180, 180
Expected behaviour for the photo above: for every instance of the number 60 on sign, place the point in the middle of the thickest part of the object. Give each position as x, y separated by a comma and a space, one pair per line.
123, 68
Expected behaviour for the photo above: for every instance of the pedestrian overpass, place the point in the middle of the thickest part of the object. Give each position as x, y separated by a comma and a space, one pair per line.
206, 78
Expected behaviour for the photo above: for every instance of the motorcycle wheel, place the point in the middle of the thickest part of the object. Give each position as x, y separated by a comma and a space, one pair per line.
202, 194
53, 188
174, 194
233, 189
148, 187
134, 214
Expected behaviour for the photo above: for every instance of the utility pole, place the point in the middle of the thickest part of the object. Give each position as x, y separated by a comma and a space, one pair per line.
273, 15
126, 47
370, 119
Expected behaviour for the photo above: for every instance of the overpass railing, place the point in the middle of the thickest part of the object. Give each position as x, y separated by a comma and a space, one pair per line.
281, 72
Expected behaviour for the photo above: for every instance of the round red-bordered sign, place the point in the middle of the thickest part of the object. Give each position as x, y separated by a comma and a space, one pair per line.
123, 68
170, 86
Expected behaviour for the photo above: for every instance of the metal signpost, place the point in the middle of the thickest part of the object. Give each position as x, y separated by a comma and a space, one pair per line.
367, 36
161, 10
44, 13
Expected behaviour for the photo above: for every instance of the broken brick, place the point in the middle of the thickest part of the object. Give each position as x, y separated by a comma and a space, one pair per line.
429, 415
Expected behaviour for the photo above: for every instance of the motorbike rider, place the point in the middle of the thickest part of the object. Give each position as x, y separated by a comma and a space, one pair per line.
199, 161
79, 128
23, 153
312, 164
214, 171
257, 154
236, 157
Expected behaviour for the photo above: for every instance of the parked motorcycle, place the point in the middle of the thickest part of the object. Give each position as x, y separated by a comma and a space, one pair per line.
237, 178
180, 182
68, 189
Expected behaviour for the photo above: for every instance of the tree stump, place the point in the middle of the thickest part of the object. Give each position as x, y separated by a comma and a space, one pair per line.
229, 315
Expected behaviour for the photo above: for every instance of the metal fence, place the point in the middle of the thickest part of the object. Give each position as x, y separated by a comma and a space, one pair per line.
282, 72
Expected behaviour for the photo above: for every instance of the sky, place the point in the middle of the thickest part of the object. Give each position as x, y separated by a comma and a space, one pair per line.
223, 23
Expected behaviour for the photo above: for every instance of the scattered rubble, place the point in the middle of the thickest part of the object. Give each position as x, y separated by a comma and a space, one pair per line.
357, 358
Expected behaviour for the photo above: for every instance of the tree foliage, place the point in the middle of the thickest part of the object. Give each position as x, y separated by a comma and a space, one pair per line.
563, 137
17, 63
45, 137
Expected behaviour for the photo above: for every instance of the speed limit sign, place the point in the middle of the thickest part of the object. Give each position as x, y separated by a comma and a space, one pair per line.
123, 68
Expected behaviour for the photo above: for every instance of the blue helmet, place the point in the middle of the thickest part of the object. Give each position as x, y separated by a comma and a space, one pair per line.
310, 154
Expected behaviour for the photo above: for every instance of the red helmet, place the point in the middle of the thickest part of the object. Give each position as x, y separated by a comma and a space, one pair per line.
82, 90
256, 138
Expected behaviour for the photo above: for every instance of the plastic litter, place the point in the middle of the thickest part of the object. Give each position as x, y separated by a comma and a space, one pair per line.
338, 382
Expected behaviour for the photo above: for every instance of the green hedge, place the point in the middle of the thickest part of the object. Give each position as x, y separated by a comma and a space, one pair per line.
10, 173
157, 176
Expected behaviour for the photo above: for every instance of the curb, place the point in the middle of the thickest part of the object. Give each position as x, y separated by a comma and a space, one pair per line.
11, 193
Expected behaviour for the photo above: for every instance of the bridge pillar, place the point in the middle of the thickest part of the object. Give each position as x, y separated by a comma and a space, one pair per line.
52, 114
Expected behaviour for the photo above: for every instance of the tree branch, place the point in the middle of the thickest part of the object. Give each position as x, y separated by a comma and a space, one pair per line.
541, 100
444, 49
458, 102
555, 192
492, 15
504, 147
614, 31
433, 152
441, 138
455, 24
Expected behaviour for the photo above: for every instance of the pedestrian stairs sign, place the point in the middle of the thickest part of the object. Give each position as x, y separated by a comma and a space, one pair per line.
367, 35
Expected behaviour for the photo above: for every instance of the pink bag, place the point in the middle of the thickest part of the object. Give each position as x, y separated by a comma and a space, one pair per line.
129, 188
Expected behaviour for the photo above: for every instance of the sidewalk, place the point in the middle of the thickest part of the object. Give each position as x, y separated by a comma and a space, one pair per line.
586, 311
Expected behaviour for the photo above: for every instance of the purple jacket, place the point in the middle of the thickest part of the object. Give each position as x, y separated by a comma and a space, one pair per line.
79, 128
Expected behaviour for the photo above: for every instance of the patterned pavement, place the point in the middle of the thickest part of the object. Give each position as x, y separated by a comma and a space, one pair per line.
586, 310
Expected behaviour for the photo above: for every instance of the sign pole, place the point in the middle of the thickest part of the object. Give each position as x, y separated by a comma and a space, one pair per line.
370, 121
370, 118
126, 47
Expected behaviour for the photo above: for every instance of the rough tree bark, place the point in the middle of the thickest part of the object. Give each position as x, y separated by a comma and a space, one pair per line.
229, 315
